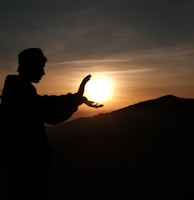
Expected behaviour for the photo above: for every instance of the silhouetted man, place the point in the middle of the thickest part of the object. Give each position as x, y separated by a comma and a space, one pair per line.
29, 153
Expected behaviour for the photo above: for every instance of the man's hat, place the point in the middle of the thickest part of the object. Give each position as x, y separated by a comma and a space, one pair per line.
31, 56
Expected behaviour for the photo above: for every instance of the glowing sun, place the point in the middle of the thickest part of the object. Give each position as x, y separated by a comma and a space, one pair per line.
98, 90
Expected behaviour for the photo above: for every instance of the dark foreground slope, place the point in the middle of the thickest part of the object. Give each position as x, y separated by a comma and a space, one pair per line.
145, 149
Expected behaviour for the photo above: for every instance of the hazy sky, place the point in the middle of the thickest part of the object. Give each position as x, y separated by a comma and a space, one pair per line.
145, 48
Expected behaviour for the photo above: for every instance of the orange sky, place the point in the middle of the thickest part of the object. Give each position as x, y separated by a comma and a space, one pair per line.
131, 82
134, 77
145, 49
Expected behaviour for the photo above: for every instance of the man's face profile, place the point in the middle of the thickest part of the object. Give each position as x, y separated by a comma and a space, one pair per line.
31, 64
36, 72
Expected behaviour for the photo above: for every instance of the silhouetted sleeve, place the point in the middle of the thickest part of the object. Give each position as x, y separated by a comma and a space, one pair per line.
22, 101
57, 109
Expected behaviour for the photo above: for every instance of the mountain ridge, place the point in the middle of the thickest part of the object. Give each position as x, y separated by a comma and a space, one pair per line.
170, 102
144, 149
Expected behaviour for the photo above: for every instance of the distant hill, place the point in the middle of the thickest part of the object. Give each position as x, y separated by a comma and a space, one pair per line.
144, 149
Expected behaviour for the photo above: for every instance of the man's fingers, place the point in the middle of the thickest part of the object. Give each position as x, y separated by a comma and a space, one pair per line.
86, 79
98, 105
83, 83
92, 103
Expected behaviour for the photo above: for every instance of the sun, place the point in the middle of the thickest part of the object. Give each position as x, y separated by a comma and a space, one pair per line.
98, 90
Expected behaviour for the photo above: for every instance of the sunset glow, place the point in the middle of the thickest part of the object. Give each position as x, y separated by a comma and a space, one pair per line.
134, 53
98, 90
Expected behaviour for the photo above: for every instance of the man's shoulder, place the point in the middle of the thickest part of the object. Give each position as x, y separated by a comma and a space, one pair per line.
12, 78
17, 84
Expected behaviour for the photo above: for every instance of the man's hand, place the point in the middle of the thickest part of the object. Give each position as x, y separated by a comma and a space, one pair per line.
84, 99
82, 85
92, 103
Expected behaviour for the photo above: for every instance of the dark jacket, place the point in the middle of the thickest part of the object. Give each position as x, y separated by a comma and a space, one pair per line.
25, 115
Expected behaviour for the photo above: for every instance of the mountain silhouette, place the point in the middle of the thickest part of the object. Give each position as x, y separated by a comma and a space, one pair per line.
144, 149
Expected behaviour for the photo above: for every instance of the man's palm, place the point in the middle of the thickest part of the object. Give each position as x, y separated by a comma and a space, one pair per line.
81, 92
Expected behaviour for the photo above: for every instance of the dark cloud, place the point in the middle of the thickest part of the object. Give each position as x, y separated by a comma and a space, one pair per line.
90, 29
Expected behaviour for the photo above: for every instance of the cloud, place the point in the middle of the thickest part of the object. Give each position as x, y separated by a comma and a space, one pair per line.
94, 29
119, 36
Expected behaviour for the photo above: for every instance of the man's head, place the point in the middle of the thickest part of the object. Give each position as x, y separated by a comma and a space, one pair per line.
31, 64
